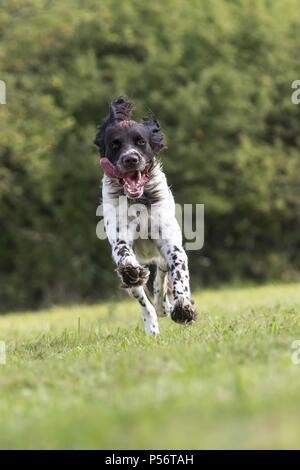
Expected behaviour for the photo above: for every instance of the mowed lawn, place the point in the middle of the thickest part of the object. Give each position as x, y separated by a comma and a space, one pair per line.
98, 382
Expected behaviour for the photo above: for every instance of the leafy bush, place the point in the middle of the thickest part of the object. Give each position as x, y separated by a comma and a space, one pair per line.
217, 74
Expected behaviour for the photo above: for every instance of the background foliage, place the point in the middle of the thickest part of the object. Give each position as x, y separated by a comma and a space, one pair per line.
218, 75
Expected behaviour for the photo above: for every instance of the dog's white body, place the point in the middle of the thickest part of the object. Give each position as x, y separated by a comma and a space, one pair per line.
162, 246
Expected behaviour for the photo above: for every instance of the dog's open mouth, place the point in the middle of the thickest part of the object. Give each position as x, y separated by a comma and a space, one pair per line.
133, 182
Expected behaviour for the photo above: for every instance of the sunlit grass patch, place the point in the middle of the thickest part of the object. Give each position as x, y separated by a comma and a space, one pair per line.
88, 377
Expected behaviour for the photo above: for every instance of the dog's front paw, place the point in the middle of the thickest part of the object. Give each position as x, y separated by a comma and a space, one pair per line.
132, 276
183, 312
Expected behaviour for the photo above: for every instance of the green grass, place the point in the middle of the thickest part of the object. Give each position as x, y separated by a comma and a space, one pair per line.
226, 382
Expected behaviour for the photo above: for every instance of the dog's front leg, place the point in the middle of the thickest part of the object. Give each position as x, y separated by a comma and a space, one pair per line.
133, 278
182, 310
128, 268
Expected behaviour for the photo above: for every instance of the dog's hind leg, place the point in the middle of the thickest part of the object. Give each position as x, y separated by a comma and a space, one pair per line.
147, 310
161, 300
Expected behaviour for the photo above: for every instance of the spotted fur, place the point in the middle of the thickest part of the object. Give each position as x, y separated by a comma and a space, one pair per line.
131, 254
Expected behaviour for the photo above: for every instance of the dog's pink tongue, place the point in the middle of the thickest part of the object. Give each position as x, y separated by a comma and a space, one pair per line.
109, 169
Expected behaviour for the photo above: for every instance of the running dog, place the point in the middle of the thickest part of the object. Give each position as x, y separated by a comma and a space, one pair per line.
148, 232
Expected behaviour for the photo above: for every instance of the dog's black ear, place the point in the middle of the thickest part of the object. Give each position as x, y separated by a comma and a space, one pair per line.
99, 139
120, 109
157, 139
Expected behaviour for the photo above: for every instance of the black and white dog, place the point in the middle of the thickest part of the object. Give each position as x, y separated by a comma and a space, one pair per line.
128, 151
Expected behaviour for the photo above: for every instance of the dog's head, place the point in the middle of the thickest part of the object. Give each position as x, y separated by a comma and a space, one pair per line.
128, 148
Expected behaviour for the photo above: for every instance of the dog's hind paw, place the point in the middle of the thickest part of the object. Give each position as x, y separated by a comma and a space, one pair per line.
132, 276
183, 312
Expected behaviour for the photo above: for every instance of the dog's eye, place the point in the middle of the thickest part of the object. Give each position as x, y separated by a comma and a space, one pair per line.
115, 144
140, 142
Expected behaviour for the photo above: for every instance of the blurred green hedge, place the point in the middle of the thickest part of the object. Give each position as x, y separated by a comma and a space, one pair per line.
218, 75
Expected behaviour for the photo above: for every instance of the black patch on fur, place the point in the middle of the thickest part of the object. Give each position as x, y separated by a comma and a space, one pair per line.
120, 109
124, 250
156, 136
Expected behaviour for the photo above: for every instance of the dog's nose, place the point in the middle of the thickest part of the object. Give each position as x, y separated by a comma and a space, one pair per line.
130, 159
